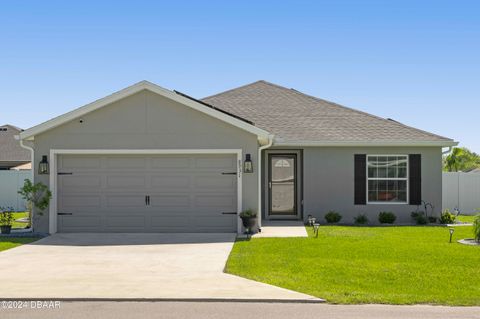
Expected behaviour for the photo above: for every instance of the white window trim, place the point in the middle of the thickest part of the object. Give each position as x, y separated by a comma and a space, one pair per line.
53, 172
387, 178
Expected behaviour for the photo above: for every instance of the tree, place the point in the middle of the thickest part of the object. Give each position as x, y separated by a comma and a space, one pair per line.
37, 195
461, 159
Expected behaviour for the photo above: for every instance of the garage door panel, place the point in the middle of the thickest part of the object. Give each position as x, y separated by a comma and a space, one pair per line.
107, 193
116, 181
124, 200
171, 220
92, 221
126, 162
209, 182
170, 201
82, 162
72, 201
78, 183
222, 221
215, 163
171, 162
170, 181
215, 201
125, 221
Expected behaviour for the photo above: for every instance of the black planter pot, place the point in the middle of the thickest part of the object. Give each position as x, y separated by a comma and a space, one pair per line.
248, 223
5, 229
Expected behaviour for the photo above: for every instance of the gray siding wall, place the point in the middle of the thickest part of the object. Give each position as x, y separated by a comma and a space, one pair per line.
328, 182
148, 121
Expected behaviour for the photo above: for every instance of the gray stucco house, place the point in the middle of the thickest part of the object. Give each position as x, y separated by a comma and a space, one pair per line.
147, 159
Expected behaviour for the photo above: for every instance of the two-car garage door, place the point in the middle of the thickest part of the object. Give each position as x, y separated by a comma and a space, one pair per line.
147, 193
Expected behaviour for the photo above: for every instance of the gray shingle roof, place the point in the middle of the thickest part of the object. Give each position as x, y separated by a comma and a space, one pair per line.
294, 116
10, 149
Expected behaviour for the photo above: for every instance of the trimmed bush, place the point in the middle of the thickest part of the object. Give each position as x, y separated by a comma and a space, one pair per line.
361, 219
386, 217
419, 218
476, 227
447, 218
332, 217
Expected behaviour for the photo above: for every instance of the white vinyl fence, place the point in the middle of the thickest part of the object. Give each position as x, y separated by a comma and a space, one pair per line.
10, 182
462, 191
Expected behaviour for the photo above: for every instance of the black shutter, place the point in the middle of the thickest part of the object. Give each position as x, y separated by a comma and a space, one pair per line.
360, 172
415, 179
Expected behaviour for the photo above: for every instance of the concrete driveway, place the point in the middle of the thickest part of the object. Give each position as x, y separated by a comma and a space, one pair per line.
130, 266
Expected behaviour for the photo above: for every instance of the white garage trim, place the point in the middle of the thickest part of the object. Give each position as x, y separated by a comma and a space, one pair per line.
53, 172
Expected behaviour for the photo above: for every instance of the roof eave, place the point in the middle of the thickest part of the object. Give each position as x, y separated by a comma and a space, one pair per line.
365, 143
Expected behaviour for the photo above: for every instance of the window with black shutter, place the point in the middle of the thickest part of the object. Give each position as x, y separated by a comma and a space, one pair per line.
360, 173
415, 179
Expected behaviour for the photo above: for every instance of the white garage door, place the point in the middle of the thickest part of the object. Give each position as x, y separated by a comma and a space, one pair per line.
138, 193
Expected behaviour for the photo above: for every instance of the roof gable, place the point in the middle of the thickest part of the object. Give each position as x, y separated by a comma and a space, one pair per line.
298, 119
10, 149
30, 133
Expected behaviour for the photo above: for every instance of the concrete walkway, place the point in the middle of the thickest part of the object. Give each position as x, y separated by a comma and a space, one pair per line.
131, 266
282, 228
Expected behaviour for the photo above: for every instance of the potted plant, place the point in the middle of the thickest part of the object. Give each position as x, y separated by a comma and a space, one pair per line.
6, 220
249, 218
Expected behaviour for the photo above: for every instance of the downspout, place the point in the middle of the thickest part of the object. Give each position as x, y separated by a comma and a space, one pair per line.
260, 149
447, 151
32, 152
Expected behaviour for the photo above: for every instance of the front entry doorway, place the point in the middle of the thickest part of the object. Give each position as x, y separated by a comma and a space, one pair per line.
283, 186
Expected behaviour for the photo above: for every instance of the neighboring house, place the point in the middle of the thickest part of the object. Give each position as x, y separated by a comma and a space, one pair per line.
146, 159
11, 153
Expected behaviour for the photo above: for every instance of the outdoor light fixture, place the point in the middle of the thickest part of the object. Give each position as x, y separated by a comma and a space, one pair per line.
43, 165
451, 233
315, 229
247, 165
311, 220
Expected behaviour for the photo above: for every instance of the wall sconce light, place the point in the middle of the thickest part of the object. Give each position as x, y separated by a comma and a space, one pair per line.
43, 165
248, 165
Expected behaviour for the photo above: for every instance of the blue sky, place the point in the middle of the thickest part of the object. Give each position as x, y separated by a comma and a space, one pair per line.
417, 62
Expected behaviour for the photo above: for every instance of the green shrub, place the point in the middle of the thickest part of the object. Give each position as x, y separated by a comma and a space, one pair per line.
6, 216
386, 217
248, 214
361, 219
447, 218
332, 217
419, 218
432, 219
476, 227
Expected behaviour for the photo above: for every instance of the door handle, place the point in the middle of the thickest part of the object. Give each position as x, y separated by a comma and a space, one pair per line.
147, 200
269, 184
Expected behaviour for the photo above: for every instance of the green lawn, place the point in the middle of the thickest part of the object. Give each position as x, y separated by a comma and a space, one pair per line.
7, 243
392, 265
465, 218
17, 216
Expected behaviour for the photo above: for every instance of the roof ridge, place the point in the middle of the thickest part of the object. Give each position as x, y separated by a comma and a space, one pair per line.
234, 89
